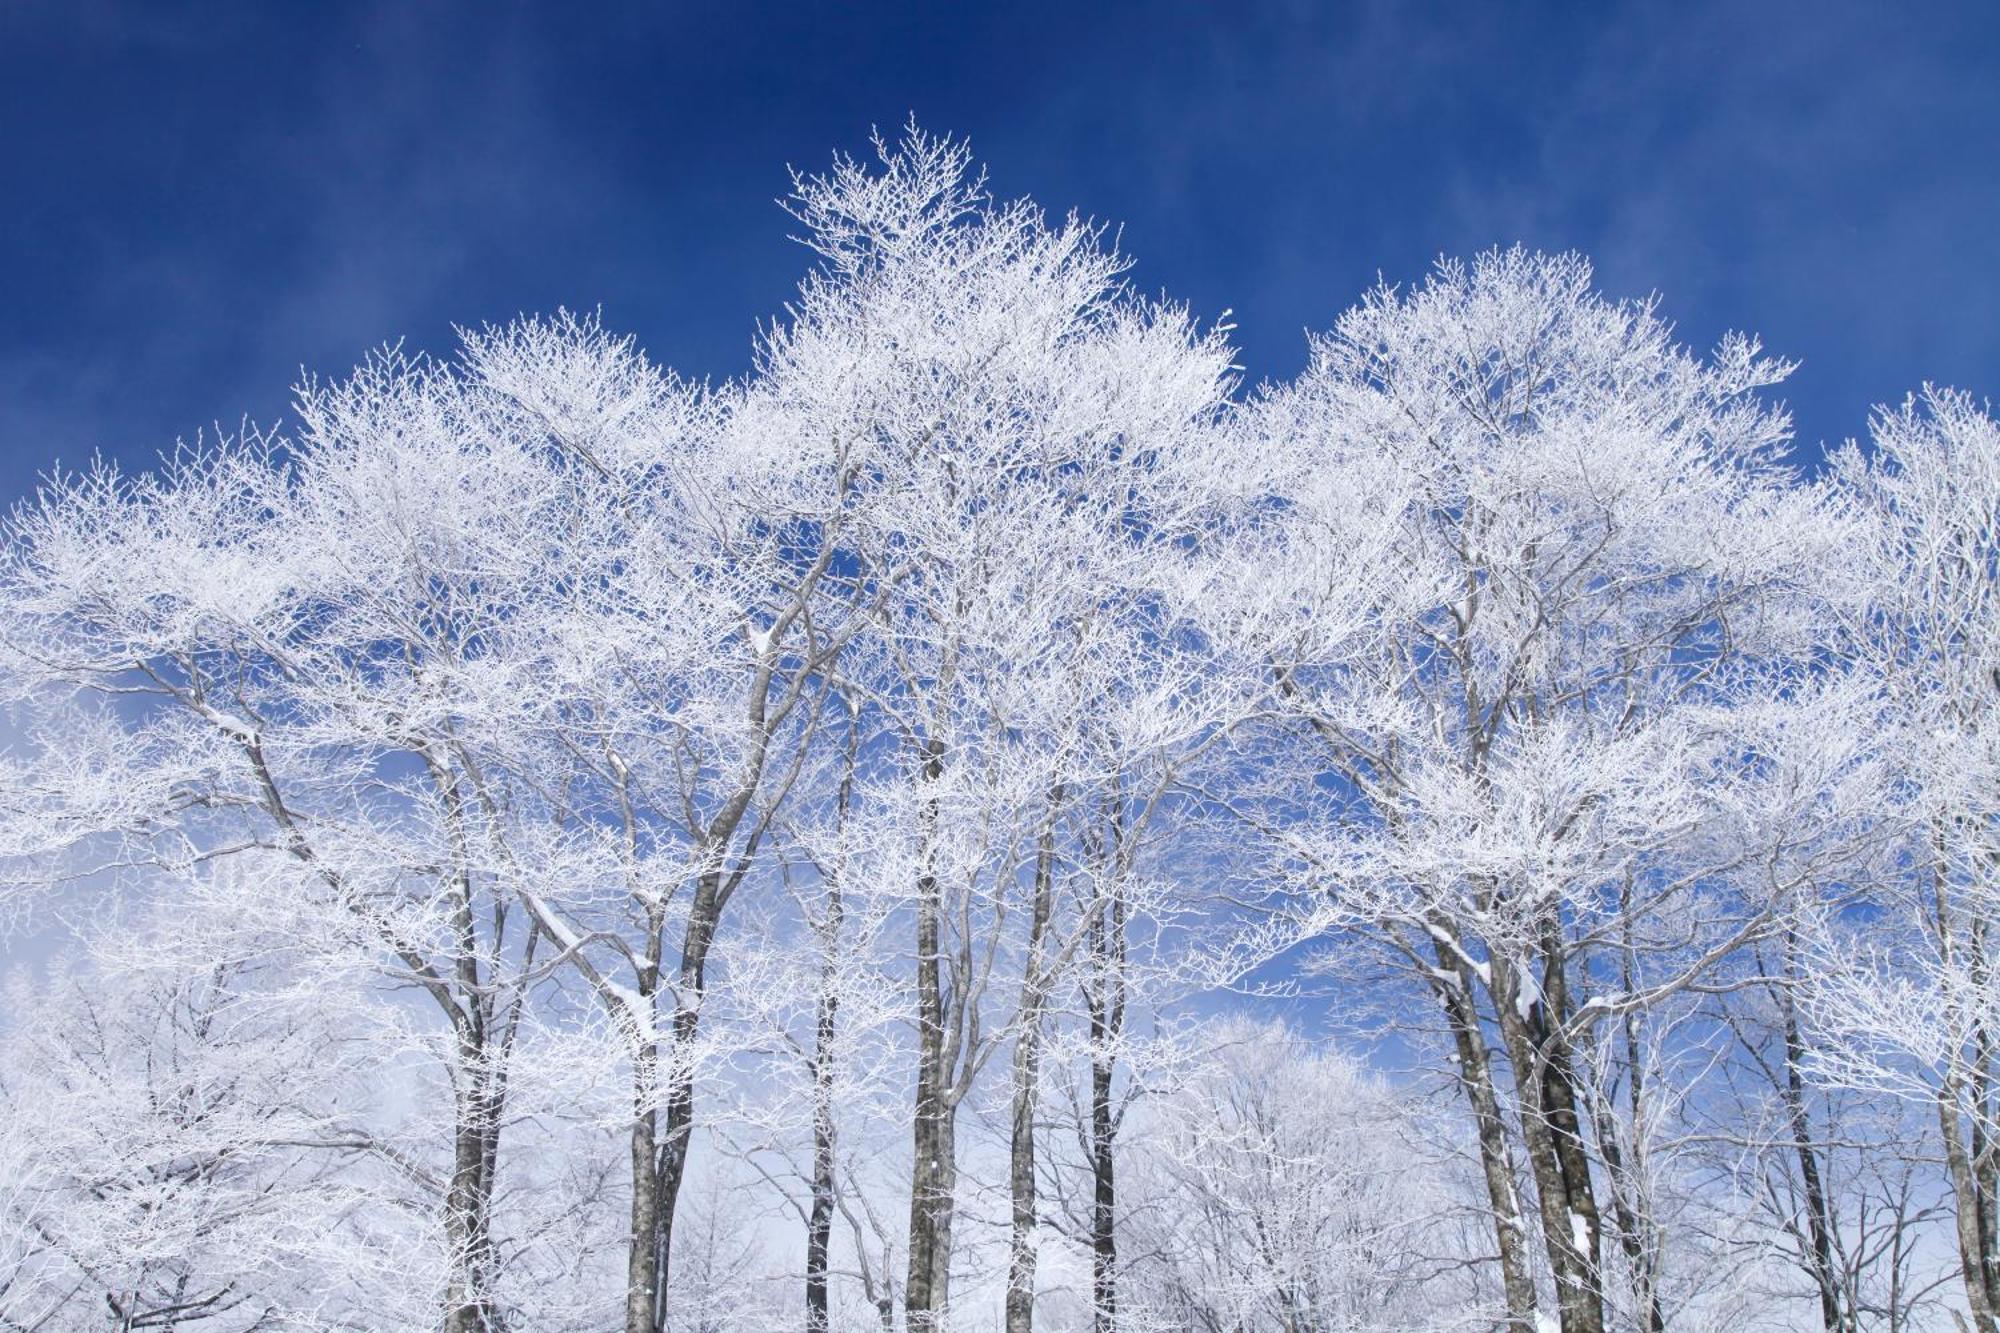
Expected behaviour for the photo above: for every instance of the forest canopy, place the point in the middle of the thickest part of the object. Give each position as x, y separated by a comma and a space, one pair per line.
989, 821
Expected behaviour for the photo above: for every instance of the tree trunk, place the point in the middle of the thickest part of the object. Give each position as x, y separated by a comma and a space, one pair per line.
1027, 1080
1496, 1157
477, 1104
671, 1131
1638, 1233
1104, 1200
661, 1134
475, 1108
1625, 1176
826, 1016
819, 1223
925, 1291
1819, 1223
1020, 1314
1984, 1148
469, 1195
645, 1275
1972, 1208
1106, 999
1965, 1200
1631, 1228
642, 1273
1543, 1071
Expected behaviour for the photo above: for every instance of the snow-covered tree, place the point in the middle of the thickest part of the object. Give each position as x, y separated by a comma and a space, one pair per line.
1283, 1186
192, 1141
1904, 989
1509, 757
1018, 421
334, 657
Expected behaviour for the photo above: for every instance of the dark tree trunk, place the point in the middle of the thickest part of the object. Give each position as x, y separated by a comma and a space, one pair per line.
1539, 1051
1027, 1078
1819, 1217
661, 1137
1106, 1000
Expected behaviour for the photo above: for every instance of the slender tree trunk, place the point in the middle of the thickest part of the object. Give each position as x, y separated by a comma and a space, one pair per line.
1625, 1175
1562, 1104
1965, 1200
1639, 1232
826, 1017
1106, 1000
677, 1133
1819, 1228
931, 1182
819, 1223
642, 1275
466, 998
475, 1106
946, 1215
1630, 1226
645, 1281
670, 1130
1027, 1084
1983, 1147
1496, 1156
1819, 1216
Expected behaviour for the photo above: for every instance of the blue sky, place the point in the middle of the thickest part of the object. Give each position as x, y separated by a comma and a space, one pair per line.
198, 200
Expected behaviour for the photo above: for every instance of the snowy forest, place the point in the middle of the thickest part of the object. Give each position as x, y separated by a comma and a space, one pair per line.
992, 822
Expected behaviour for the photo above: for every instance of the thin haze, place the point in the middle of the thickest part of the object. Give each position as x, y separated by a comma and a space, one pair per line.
203, 199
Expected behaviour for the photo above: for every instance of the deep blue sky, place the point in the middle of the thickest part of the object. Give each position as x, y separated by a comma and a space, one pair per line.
196, 201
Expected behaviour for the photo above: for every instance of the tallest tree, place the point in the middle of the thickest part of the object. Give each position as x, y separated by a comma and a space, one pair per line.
1008, 404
